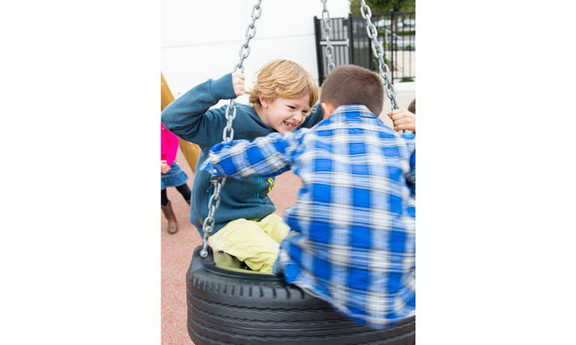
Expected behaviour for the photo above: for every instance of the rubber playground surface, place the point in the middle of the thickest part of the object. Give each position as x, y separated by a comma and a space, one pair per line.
177, 253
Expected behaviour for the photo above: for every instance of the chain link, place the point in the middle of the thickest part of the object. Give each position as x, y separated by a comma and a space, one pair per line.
228, 133
250, 33
378, 51
329, 50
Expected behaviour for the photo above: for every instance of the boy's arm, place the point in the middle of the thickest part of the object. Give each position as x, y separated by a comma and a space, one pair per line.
190, 116
411, 176
268, 156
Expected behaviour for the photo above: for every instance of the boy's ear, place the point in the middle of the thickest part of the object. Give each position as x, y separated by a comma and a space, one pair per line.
263, 100
327, 109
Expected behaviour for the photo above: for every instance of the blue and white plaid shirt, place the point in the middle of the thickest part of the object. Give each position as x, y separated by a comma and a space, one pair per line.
352, 238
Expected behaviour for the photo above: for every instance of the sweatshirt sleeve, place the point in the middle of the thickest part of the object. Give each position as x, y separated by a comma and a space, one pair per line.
190, 116
268, 156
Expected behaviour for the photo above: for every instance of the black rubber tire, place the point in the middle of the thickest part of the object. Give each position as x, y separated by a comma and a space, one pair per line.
226, 307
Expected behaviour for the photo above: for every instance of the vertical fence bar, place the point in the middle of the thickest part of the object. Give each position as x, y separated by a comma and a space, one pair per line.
351, 41
410, 47
319, 50
403, 52
393, 45
336, 29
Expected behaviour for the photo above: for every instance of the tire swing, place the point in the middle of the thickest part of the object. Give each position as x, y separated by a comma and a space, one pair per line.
232, 306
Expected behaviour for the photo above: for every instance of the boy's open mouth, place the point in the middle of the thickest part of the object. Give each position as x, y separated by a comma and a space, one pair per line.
289, 125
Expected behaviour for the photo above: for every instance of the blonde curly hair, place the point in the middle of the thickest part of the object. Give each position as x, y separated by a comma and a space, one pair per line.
285, 79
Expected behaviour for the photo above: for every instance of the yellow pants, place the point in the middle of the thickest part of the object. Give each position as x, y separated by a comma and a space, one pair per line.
255, 243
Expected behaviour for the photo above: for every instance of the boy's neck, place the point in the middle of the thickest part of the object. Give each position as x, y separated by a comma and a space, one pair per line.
327, 109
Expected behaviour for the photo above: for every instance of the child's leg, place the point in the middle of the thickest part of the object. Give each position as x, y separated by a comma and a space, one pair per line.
163, 197
185, 191
246, 240
274, 226
168, 212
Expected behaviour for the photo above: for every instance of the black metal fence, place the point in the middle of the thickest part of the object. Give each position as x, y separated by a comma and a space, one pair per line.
351, 43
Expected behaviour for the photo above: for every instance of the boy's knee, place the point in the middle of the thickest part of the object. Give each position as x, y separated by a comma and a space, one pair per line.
275, 227
264, 265
228, 236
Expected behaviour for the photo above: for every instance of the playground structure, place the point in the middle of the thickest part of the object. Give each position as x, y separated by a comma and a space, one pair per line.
189, 150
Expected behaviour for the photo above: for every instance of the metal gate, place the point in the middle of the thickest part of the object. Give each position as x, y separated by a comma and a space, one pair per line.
351, 44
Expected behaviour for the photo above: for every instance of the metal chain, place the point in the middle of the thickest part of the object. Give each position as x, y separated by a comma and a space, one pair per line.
228, 134
378, 51
250, 33
329, 50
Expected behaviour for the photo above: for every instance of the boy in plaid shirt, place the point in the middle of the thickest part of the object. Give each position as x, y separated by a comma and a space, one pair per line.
352, 229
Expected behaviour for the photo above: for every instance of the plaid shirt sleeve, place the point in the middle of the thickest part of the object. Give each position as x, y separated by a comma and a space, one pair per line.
411, 176
268, 156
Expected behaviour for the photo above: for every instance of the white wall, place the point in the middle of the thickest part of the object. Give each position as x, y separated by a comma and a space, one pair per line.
201, 39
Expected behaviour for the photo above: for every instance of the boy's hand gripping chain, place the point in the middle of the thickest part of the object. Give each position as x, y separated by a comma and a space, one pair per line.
228, 134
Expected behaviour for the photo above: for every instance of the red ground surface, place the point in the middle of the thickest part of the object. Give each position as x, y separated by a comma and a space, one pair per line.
177, 253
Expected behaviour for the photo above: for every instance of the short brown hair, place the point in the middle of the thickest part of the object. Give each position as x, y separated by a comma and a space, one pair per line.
285, 79
412, 106
349, 84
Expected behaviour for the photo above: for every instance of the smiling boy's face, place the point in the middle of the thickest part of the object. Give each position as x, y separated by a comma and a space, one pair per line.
284, 114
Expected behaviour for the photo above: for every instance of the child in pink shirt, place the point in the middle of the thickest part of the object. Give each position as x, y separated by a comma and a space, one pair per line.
171, 176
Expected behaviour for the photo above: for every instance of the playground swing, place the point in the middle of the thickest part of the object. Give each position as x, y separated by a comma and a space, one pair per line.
241, 307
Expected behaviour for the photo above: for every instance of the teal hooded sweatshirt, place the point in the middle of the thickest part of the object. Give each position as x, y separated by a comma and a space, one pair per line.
191, 118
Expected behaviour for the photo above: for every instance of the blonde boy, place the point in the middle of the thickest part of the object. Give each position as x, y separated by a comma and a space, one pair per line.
280, 101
